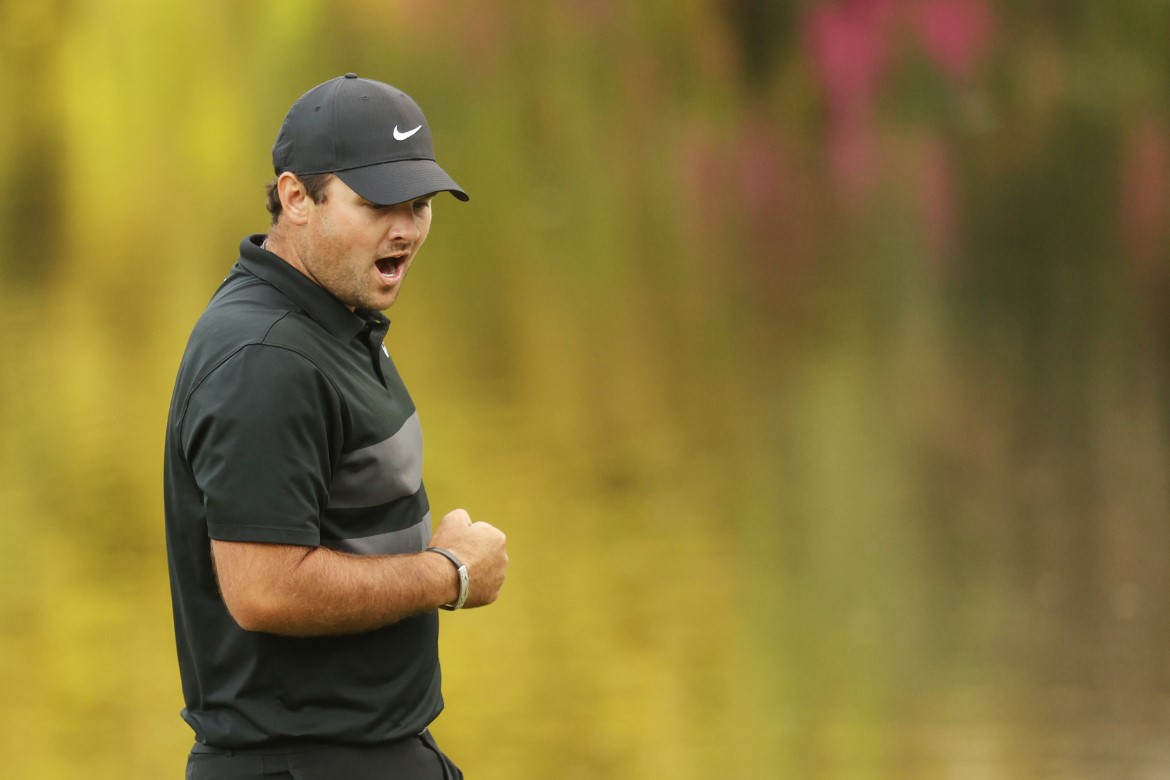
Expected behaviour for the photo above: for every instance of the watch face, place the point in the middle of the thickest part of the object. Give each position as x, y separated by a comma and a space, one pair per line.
464, 586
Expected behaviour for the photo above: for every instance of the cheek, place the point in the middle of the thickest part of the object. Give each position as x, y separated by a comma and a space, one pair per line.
324, 231
348, 235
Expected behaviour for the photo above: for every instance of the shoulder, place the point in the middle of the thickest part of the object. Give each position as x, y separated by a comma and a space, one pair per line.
260, 392
245, 311
252, 352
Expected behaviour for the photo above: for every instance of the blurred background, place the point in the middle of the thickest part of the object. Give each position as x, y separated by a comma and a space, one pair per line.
813, 355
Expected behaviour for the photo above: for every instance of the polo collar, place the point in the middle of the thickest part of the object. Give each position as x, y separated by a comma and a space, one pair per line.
316, 301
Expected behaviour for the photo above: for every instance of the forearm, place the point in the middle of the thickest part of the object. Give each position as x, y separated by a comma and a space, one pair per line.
317, 591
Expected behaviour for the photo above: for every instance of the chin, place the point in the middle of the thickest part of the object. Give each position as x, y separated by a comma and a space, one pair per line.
383, 302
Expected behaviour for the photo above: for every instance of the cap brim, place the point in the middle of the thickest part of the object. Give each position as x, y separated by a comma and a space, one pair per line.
397, 182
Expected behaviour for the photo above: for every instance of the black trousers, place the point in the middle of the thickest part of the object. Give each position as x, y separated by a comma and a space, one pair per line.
417, 758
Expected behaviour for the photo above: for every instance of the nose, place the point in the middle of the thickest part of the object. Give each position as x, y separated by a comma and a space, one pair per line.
403, 226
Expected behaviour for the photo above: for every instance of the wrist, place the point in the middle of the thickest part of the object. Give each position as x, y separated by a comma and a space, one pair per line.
461, 573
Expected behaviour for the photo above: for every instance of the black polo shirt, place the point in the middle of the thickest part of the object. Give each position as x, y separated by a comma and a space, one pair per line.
290, 424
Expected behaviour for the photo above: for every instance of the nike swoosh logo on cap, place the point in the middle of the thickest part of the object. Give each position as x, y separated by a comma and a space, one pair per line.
403, 136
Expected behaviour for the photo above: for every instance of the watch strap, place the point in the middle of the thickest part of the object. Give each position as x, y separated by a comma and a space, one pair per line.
461, 570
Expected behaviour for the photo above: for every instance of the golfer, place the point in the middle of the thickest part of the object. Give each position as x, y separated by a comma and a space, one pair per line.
305, 578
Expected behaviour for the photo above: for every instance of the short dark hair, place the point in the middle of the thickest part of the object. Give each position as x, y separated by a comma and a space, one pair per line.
315, 184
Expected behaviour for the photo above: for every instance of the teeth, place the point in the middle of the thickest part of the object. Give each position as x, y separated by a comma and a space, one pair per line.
389, 266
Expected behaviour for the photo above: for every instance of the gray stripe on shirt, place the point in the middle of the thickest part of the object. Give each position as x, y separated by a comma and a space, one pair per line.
408, 540
380, 473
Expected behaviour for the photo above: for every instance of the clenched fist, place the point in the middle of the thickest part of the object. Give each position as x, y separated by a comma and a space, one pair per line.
482, 547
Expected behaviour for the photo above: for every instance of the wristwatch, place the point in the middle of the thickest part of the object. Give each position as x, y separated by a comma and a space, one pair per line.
464, 578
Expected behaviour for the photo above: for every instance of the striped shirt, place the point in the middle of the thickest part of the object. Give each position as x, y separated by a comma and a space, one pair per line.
290, 424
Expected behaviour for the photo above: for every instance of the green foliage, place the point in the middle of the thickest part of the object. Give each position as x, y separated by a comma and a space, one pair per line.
824, 407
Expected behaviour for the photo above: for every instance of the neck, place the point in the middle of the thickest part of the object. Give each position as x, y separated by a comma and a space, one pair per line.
278, 243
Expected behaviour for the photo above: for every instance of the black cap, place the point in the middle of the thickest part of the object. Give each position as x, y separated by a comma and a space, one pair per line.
370, 134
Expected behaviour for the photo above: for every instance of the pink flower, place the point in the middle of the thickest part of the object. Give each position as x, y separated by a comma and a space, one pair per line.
1145, 156
955, 33
848, 46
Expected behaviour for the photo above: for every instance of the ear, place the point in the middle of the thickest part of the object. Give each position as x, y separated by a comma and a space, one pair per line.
294, 199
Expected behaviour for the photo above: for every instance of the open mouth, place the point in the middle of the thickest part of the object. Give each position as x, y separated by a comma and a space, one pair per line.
390, 268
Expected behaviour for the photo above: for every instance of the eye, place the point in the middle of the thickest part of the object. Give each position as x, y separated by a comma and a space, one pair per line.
422, 203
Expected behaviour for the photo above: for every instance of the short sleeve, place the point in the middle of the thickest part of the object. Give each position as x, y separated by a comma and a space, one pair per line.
261, 434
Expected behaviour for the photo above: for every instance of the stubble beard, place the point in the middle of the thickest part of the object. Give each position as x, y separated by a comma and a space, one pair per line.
353, 285
357, 291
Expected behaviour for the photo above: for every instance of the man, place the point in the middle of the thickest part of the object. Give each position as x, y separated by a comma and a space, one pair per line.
304, 575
